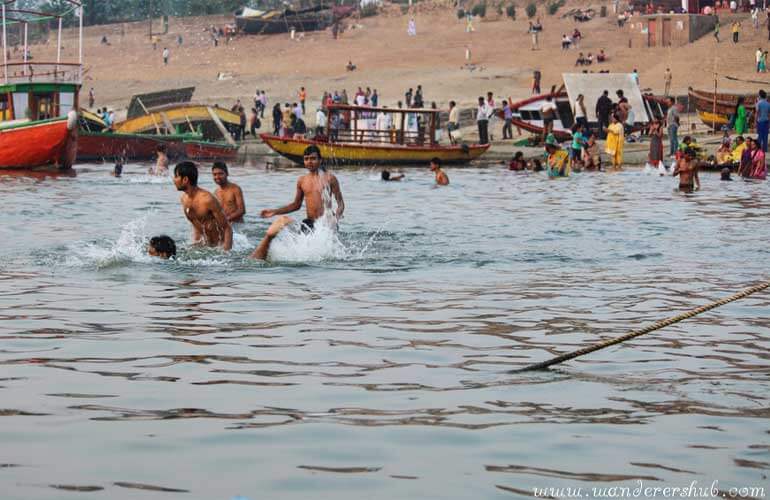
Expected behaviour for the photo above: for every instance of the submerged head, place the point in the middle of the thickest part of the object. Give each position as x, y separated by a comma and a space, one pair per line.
161, 246
185, 175
385, 175
312, 158
725, 175
219, 173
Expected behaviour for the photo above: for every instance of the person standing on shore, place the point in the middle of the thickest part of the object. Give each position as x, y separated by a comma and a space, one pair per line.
580, 112
736, 31
716, 29
536, 76
667, 77
758, 58
482, 120
91, 98
615, 140
603, 110
166, 53
263, 100
672, 123
507, 116
762, 112
411, 28
454, 121
740, 117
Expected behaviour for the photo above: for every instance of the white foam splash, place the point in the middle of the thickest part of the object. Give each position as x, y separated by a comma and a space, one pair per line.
293, 245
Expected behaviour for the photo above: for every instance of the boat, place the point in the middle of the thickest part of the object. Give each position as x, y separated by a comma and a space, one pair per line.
214, 123
96, 143
38, 104
716, 109
359, 141
526, 113
259, 22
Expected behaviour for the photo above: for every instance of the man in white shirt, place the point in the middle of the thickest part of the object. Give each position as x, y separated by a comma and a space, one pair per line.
482, 120
320, 122
454, 120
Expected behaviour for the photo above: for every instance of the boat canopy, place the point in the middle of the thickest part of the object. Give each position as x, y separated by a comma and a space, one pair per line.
591, 85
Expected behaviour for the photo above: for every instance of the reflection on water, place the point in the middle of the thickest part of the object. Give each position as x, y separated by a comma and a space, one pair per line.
374, 360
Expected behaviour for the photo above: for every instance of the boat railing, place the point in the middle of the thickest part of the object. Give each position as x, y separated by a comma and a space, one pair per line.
43, 72
375, 136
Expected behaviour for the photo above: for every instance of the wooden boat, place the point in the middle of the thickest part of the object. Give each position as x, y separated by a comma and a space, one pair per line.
705, 102
38, 103
95, 144
173, 118
360, 142
257, 22
526, 113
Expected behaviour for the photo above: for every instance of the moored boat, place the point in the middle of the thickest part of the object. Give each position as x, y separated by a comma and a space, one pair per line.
527, 113
369, 135
38, 103
716, 109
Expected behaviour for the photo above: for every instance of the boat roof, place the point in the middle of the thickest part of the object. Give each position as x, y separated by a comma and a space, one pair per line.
591, 85
353, 107
156, 99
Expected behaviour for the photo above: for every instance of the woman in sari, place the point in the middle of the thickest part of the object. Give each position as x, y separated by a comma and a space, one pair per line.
655, 156
758, 165
740, 117
614, 145
744, 167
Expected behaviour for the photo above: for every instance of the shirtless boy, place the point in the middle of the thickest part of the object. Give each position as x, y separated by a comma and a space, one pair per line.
311, 188
228, 193
209, 224
687, 170
161, 164
441, 177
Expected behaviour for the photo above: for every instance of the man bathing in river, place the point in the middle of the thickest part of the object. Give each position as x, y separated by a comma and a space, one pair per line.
209, 223
161, 164
310, 187
442, 179
687, 170
228, 193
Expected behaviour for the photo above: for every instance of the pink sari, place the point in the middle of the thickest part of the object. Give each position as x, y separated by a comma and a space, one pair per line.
758, 165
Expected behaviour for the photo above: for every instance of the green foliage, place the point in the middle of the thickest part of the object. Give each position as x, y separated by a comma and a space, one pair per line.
369, 10
510, 11
603, 11
531, 10
555, 6
460, 14
480, 9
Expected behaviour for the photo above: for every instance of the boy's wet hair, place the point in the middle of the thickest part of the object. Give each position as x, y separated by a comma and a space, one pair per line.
187, 169
436, 160
221, 166
164, 245
385, 175
312, 149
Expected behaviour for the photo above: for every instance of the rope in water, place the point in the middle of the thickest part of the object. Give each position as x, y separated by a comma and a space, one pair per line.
637, 333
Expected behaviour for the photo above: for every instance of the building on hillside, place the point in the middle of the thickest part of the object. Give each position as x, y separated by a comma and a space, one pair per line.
668, 30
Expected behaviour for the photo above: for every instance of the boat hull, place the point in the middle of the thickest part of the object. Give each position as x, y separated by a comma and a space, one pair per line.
373, 154
716, 112
98, 146
39, 144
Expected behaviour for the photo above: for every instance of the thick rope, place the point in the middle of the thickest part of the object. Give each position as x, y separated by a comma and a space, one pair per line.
637, 333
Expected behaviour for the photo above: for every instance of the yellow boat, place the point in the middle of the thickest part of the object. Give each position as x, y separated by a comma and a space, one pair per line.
356, 139
167, 118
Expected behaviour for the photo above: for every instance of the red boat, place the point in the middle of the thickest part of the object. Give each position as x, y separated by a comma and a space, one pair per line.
204, 150
38, 100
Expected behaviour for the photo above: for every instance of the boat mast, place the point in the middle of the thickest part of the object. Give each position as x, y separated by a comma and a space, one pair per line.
5, 48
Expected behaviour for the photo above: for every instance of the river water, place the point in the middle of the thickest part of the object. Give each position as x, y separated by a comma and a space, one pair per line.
375, 364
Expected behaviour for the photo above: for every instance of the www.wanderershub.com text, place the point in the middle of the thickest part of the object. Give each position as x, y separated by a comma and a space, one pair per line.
640, 490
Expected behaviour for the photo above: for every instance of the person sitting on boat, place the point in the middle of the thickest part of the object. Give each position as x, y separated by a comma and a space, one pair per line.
442, 179
388, 177
724, 155
557, 164
454, 121
320, 122
161, 246
737, 151
311, 187
518, 162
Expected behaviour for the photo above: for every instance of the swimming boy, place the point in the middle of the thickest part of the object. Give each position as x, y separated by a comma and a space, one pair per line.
162, 246
388, 177
228, 193
209, 223
441, 177
311, 188
161, 164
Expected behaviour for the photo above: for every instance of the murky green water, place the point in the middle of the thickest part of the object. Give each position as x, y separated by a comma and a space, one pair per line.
375, 365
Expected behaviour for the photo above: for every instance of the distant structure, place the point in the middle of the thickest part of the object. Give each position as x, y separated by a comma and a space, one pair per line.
668, 30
